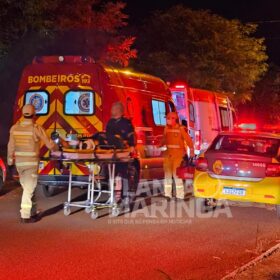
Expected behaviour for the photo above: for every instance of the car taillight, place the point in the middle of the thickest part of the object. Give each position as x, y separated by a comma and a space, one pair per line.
272, 170
202, 164
197, 140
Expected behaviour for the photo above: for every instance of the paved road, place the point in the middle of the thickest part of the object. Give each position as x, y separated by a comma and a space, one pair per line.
159, 240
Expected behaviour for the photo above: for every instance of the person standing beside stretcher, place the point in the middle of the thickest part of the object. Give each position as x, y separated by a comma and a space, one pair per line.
120, 134
176, 140
23, 151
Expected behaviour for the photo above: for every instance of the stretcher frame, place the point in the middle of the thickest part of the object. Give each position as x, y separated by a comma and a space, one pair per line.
91, 205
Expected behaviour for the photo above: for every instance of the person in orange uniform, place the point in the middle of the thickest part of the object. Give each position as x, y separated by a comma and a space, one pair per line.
176, 140
23, 151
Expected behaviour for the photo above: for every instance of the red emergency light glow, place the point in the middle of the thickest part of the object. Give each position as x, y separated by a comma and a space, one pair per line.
247, 126
197, 140
273, 170
180, 86
202, 164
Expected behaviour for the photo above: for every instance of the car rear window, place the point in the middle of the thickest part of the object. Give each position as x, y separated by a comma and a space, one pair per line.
247, 145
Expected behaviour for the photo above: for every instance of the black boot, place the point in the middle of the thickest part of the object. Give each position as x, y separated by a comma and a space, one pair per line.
31, 220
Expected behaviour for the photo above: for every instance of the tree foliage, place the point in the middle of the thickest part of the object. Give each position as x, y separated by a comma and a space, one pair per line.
266, 98
54, 19
50, 27
205, 49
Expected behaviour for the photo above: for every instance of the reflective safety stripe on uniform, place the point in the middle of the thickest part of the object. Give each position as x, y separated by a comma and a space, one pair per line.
23, 133
26, 206
30, 163
168, 189
172, 130
25, 154
180, 192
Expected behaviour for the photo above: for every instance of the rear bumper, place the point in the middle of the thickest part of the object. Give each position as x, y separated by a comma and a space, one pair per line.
61, 180
264, 191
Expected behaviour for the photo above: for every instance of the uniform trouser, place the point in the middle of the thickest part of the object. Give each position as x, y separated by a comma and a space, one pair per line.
172, 160
122, 187
28, 179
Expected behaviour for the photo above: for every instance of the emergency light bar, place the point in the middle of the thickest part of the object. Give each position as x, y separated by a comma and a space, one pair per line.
180, 86
247, 126
55, 59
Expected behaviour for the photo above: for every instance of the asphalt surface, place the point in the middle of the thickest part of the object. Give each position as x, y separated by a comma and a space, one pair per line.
156, 241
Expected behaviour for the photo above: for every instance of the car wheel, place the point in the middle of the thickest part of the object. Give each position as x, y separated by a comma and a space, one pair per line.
48, 190
278, 211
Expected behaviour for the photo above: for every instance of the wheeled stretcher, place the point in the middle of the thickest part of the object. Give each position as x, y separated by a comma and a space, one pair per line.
93, 160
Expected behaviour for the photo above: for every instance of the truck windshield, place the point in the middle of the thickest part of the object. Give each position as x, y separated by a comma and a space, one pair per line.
250, 145
39, 99
79, 102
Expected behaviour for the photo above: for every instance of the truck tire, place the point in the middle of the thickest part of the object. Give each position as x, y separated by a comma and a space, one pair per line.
48, 190
278, 211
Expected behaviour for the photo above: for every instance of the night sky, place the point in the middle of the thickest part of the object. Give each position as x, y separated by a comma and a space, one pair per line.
265, 13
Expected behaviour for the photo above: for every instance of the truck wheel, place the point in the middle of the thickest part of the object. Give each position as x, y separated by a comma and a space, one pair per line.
278, 211
48, 190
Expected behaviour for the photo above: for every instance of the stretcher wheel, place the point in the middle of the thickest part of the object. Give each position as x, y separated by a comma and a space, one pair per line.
67, 211
278, 211
94, 215
115, 212
88, 209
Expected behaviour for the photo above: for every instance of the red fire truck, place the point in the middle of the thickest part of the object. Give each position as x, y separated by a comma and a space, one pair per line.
73, 94
206, 113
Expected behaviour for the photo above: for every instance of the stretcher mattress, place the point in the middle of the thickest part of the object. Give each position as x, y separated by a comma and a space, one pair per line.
73, 154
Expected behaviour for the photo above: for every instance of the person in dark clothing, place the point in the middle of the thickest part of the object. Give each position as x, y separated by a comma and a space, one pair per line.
120, 134
119, 130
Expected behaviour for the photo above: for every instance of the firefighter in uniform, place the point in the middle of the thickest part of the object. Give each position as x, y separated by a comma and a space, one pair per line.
176, 140
120, 133
23, 151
